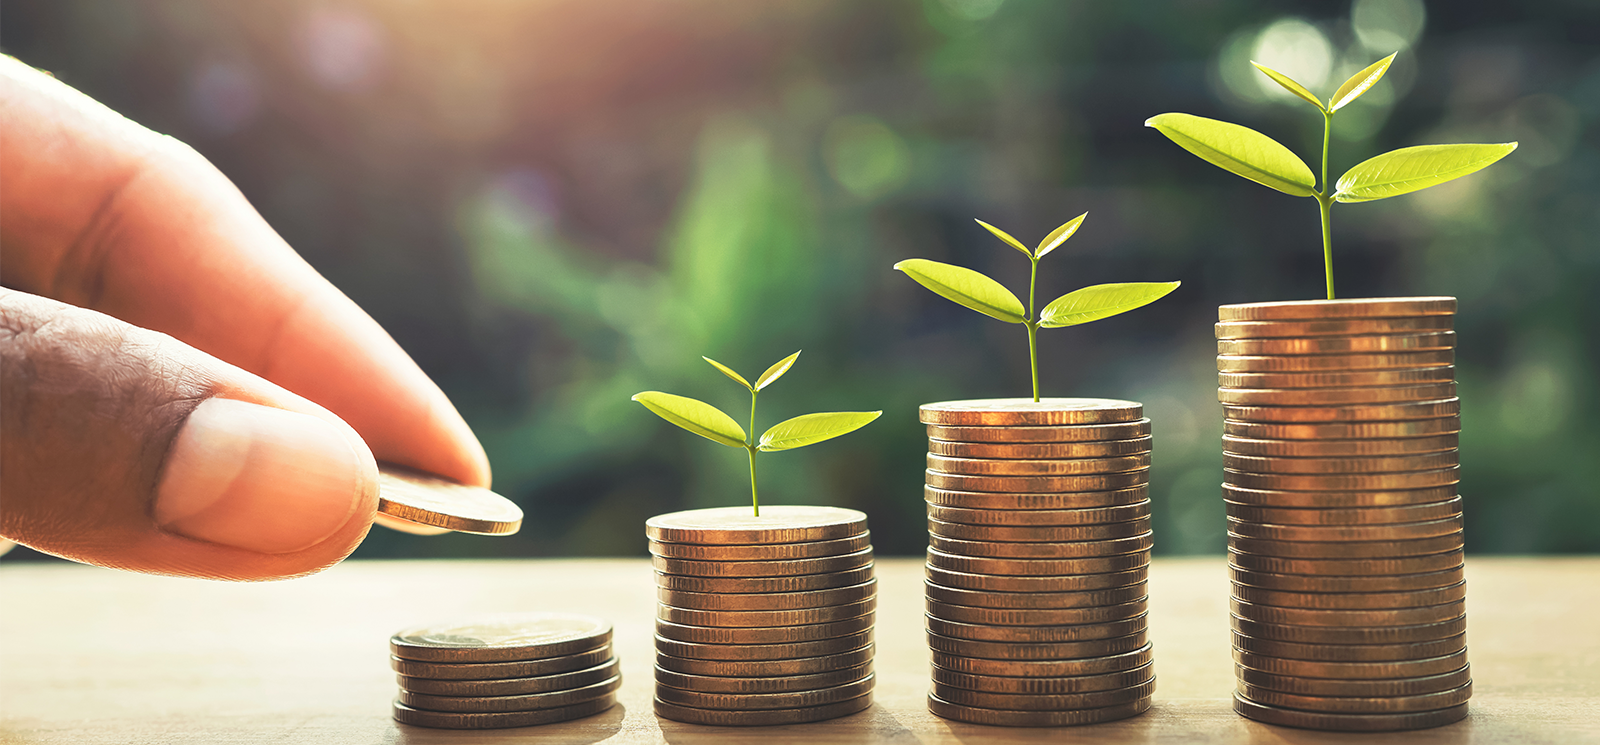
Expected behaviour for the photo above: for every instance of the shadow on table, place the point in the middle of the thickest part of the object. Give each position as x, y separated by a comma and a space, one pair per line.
875, 726
603, 726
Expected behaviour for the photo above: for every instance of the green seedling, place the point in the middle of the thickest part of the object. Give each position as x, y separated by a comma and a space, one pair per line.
1261, 159
982, 294
709, 422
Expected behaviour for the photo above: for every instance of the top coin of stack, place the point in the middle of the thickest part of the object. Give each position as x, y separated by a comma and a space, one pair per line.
1039, 547
763, 620
1344, 522
504, 671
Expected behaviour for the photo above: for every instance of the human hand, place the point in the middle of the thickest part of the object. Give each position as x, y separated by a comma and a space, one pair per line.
180, 393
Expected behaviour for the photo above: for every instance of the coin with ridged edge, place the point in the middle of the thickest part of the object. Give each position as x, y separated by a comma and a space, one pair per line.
1341, 327
1053, 702
1393, 448
1038, 484
1034, 600
1351, 670
774, 601
1069, 433
1437, 562
1350, 652
1048, 550
826, 614
763, 634
1326, 583
1035, 634
1276, 464
763, 652
1046, 668
1338, 378
762, 552
1035, 686
779, 684
502, 638
763, 717
1355, 688
1039, 533
1337, 500
1437, 409
778, 568
1325, 310
1357, 516
1358, 705
767, 668
1020, 501
1053, 583
1084, 652
1362, 344
500, 670
1348, 722
511, 686
766, 701
1389, 532
1014, 718
497, 720
1050, 467
1332, 362
1087, 516
1026, 412
1333, 396
1345, 549
796, 583
1418, 633
1352, 600
426, 499
1039, 568
721, 526
1041, 450
1036, 616
1345, 481
1444, 425
1365, 617
517, 702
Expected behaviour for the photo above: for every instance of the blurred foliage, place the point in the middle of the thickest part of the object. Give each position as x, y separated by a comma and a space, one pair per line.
553, 204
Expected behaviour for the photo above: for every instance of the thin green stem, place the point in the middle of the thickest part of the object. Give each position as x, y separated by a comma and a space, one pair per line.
1033, 328
1325, 202
751, 449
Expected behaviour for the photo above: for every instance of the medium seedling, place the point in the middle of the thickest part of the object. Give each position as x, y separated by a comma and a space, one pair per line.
709, 422
982, 294
1261, 159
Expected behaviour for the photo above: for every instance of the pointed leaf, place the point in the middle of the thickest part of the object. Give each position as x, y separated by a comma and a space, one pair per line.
966, 287
1413, 168
776, 371
1059, 236
1101, 301
1359, 83
1004, 236
1288, 84
813, 428
698, 417
727, 371
1241, 150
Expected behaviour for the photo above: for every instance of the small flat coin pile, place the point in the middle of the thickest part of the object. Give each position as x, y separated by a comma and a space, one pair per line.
504, 671
763, 620
1344, 521
1039, 551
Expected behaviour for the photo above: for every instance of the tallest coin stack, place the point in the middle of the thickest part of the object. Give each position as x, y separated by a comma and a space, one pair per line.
1344, 522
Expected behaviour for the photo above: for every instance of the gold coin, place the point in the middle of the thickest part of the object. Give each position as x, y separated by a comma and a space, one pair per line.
1025, 412
1036, 634
1348, 500
1088, 655
1421, 702
721, 526
1415, 634
762, 552
1073, 550
1045, 668
1039, 484
1350, 652
1052, 467
1039, 533
1351, 600
1041, 450
1058, 583
495, 720
1345, 549
1014, 501
1389, 532
500, 670
502, 638
1354, 688
511, 686
1325, 583
1337, 379
747, 702
1348, 722
1036, 616
1088, 516
1334, 396
1352, 670
763, 634
1345, 481
763, 652
1446, 407
763, 717
1343, 327
1349, 568
744, 618
1038, 568
1036, 702
426, 499
1033, 686
1276, 464
1034, 600
1365, 344
1340, 448
1342, 430
779, 568
1364, 617
772, 601
1013, 718
518, 702
1327, 310
1360, 516
1334, 362
798, 583
1068, 433
784, 684
766, 668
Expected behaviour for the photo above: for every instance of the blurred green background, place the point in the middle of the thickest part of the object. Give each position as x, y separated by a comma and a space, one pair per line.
554, 204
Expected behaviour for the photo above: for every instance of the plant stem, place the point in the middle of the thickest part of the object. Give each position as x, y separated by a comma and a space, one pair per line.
1325, 202
750, 447
1033, 328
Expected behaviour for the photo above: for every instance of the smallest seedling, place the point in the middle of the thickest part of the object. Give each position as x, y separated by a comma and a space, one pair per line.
711, 423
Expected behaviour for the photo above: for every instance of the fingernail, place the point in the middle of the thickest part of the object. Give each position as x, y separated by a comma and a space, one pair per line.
259, 478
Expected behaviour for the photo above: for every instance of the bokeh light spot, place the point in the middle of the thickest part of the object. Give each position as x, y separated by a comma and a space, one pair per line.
973, 10
1388, 25
223, 97
866, 157
1297, 49
341, 48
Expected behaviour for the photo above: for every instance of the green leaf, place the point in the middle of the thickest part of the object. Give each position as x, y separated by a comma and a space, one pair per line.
813, 428
1059, 236
1004, 236
1359, 83
1241, 150
1288, 84
1414, 168
776, 371
728, 372
966, 287
698, 417
1101, 301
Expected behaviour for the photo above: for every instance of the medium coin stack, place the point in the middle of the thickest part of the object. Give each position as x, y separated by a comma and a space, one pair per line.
763, 619
1039, 549
504, 671
1344, 522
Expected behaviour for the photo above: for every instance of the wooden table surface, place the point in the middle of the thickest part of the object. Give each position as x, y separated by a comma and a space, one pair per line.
95, 656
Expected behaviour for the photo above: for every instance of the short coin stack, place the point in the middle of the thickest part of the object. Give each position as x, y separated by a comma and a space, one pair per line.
1344, 521
504, 671
763, 620
1039, 549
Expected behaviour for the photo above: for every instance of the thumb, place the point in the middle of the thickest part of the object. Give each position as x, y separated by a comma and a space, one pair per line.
125, 448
